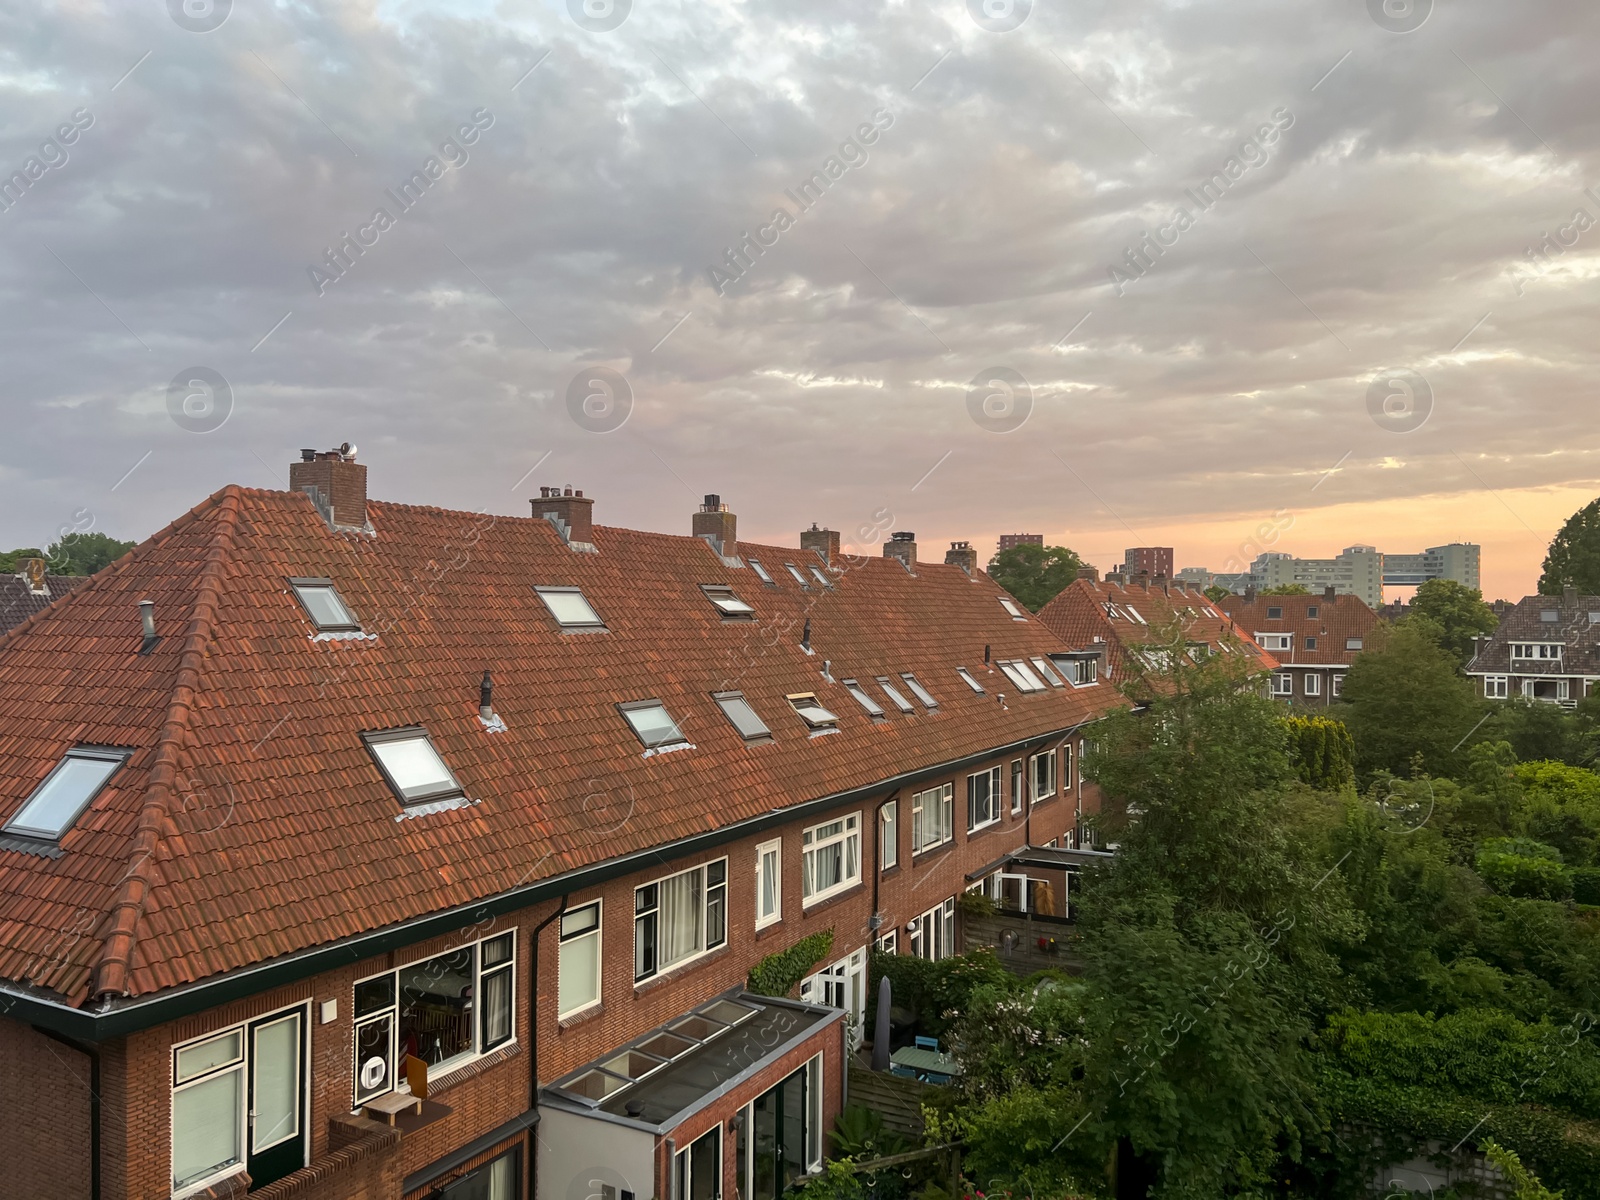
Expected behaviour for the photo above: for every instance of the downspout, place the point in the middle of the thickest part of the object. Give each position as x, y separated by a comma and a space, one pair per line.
93, 1055
533, 1036
672, 1169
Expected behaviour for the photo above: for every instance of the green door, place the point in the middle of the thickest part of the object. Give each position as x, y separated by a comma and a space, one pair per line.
277, 1097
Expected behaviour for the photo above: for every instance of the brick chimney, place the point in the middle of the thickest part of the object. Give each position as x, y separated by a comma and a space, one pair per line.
337, 484
718, 526
1330, 593
1089, 572
902, 546
1250, 593
961, 554
824, 541
571, 512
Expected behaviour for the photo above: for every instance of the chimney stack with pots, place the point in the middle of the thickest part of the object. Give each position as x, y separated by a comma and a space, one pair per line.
337, 484
717, 526
1329, 594
961, 554
902, 545
824, 541
571, 512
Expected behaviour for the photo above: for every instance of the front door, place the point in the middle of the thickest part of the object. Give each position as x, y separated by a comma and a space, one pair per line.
277, 1097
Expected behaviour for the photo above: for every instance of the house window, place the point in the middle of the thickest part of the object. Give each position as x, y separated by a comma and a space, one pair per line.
781, 1139
1311, 611
1022, 675
697, 1169
1274, 641
1311, 643
579, 985
795, 571
761, 573
208, 1115
889, 943
896, 697
1313, 684
651, 723
1351, 643
1010, 606
71, 787
889, 835
1537, 651
569, 607
830, 858
1046, 671
817, 718
874, 709
933, 934
1042, 769
1016, 786
725, 602
769, 882
1282, 683
920, 692
1549, 616
967, 678
743, 718
932, 818
1066, 767
412, 766
444, 1010
1494, 687
1336, 683
1081, 672
816, 573
498, 1179
1274, 612
323, 604
679, 918
983, 798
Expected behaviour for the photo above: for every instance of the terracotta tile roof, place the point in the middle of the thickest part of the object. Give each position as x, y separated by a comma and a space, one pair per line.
251, 821
1330, 620
1108, 611
1576, 625
18, 600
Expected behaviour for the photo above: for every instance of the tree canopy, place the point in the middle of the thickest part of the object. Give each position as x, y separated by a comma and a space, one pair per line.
74, 554
1573, 559
1035, 574
1287, 589
1403, 698
1454, 614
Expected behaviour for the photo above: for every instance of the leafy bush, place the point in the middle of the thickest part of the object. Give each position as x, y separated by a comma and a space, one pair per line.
1585, 884
1524, 867
779, 974
936, 992
1322, 751
859, 1133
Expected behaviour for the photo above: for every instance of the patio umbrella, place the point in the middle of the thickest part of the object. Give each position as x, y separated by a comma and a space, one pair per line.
880, 1028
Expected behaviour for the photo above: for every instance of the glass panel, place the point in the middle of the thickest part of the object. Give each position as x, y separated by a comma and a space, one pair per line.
760, 571
653, 725
496, 1008
275, 1083
62, 796
436, 1007
580, 973
895, 695
680, 924
705, 1167
731, 604
744, 718
596, 1085
374, 1074
569, 608
814, 714
579, 920
920, 692
498, 950
325, 607
374, 994
866, 701
727, 1010
207, 1056
666, 1045
632, 1064
769, 883
414, 765
206, 1121
698, 1027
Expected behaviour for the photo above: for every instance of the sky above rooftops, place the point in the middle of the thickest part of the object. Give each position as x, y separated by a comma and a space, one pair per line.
1363, 245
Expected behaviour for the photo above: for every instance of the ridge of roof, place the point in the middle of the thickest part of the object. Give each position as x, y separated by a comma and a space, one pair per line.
117, 950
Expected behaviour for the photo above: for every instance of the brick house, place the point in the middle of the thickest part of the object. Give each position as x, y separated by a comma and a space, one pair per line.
1315, 638
30, 589
1545, 648
354, 849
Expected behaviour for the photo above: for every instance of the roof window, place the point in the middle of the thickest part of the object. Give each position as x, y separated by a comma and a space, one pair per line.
812, 712
726, 603
412, 766
795, 571
650, 720
1312, 610
1549, 616
1274, 612
323, 604
1044, 669
1352, 643
761, 572
867, 702
896, 697
1010, 605
743, 718
71, 787
1019, 674
917, 690
569, 607
1133, 614
970, 681
816, 573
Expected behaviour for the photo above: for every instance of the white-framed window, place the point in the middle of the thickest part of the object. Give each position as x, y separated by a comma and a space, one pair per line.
889, 835
966, 677
725, 602
570, 608
697, 1168
932, 818
679, 918
923, 695
1022, 675
324, 605
1353, 643
1080, 672
1016, 786
983, 798
71, 787
896, 696
889, 943
578, 986
874, 709
651, 723
1046, 671
1282, 683
445, 1010
1313, 683
1495, 687
769, 882
1336, 683
411, 765
1012, 608
1274, 641
761, 573
830, 858
1066, 767
1537, 651
933, 934
1042, 773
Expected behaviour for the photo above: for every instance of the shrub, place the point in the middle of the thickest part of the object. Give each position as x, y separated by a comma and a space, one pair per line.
1321, 751
1585, 884
1525, 868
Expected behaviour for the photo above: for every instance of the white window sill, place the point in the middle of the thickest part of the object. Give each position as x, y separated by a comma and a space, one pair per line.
769, 922
576, 1012
194, 1189
982, 825
837, 889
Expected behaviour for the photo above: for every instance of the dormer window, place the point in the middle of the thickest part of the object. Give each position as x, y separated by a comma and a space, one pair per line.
917, 690
730, 606
569, 607
896, 697
761, 572
812, 712
742, 717
874, 709
323, 604
70, 788
412, 766
1010, 605
967, 678
652, 723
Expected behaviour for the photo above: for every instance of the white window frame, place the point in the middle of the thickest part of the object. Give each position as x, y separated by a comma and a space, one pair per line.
451, 789
1496, 687
1066, 768
861, 696
761, 572
564, 940
1336, 683
889, 943
546, 592
896, 696
769, 851
966, 677
1022, 675
1018, 785
1041, 789
1012, 610
1043, 667
889, 835
1312, 683
921, 693
932, 934
300, 586
935, 805
1353, 643
1282, 683
1536, 651
1275, 641
706, 944
811, 843
995, 804
114, 758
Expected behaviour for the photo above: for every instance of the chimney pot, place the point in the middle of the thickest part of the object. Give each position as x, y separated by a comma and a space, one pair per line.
572, 514
824, 541
902, 545
717, 526
336, 483
308, 456
961, 554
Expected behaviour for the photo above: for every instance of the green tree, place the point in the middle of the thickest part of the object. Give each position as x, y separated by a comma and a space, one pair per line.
1458, 611
1321, 752
1035, 574
9, 559
1403, 697
85, 553
1287, 589
1216, 593
1573, 559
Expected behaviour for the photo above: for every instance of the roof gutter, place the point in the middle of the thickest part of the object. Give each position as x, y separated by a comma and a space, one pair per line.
118, 1017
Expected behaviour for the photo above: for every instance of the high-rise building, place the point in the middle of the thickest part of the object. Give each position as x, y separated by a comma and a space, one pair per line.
1153, 561
1355, 571
1010, 540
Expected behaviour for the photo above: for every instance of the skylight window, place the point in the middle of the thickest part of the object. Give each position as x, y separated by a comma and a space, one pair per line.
866, 701
1010, 606
568, 606
970, 681
323, 603
1043, 668
726, 602
1133, 614
795, 571
812, 712
816, 573
70, 788
761, 572
917, 690
651, 722
743, 718
412, 766
1020, 675
895, 696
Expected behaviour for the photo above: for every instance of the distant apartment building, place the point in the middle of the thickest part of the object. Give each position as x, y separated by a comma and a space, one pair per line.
1154, 561
1010, 540
1358, 570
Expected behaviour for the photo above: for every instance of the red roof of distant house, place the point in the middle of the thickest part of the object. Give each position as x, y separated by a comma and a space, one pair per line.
1331, 621
251, 821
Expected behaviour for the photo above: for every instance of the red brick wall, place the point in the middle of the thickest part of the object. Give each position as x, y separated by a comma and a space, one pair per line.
45, 1112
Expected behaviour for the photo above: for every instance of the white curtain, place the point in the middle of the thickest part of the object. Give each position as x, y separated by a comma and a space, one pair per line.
681, 925
580, 972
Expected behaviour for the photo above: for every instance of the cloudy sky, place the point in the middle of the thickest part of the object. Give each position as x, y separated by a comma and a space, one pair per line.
965, 332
